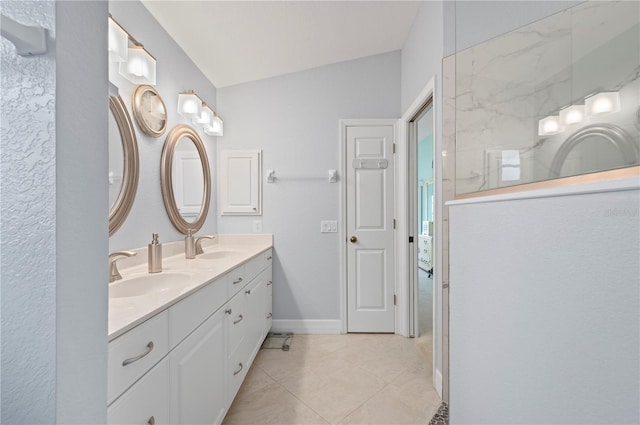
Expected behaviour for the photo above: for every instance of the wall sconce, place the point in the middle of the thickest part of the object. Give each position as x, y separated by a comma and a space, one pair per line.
602, 103
189, 105
136, 63
206, 116
549, 126
573, 114
216, 128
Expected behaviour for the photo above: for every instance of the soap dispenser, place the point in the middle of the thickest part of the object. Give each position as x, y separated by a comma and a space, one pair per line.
189, 245
155, 255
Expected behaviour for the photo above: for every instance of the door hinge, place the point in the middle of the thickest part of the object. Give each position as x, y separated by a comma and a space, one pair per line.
395, 300
394, 223
394, 148
410, 239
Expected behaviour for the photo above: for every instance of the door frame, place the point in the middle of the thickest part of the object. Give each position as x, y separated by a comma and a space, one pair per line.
342, 233
405, 252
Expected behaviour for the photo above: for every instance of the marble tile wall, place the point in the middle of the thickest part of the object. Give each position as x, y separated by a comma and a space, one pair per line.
504, 86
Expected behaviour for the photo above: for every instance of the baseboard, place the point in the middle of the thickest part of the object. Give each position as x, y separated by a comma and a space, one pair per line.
437, 378
307, 326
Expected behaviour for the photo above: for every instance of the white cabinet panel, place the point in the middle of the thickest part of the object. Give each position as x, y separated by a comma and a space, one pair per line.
146, 402
240, 183
198, 375
268, 301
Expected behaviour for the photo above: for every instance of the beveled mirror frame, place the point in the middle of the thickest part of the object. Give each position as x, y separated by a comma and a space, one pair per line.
122, 205
139, 111
166, 178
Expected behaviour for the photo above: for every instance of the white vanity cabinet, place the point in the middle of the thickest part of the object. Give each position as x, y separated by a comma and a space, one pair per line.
203, 347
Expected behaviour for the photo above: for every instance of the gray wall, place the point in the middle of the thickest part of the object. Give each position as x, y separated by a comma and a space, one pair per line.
545, 310
28, 225
81, 211
175, 73
294, 119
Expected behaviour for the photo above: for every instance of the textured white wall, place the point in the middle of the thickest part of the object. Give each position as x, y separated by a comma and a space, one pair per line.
545, 309
81, 211
28, 225
175, 73
294, 119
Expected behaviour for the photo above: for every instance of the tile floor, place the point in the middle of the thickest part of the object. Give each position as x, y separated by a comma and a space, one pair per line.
339, 379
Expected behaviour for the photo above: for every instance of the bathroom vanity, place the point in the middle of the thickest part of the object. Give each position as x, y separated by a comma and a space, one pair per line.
179, 352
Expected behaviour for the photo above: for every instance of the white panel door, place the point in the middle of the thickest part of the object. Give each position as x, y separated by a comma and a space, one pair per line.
370, 259
240, 183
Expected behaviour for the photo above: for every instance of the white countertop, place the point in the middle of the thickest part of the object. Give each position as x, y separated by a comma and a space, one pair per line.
127, 312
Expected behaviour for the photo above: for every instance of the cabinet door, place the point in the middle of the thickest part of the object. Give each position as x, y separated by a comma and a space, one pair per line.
198, 368
240, 184
255, 294
268, 301
146, 402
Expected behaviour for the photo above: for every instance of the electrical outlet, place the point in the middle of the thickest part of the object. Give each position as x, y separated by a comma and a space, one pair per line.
328, 226
257, 226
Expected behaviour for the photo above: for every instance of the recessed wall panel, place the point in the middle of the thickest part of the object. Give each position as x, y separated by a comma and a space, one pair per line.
370, 211
371, 284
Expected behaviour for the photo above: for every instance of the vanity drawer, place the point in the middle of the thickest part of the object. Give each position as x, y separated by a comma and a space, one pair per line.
188, 314
268, 257
131, 355
254, 266
236, 323
147, 399
237, 279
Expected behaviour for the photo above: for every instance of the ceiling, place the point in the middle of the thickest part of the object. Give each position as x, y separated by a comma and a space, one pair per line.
234, 42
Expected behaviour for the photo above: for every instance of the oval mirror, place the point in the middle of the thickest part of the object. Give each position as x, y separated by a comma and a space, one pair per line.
185, 179
123, 163
149, 110
598, 147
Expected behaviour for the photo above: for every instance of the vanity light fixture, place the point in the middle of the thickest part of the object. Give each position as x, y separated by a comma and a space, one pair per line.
136, 63
118, 42
549, 126
573, 114
602, 103
189, 105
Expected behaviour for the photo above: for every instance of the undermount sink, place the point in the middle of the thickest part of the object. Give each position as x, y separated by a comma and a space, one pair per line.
149, 284
214, 255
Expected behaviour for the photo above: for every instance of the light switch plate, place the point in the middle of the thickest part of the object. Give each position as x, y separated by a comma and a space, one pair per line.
328, 226
257, 226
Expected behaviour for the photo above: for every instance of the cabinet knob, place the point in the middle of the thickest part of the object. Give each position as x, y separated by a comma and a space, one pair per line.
269, 283
152, 421
248, 292
228, 311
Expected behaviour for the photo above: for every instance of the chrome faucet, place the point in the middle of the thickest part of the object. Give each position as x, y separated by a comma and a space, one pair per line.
199, 249
114, 274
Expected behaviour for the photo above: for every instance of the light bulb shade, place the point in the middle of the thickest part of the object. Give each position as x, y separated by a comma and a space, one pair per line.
118, 42
206, 116
573, 114
140, 68
216, 128
602, 103
549, 126
189, 105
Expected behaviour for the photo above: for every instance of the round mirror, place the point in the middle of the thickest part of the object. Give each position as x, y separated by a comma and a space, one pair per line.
598, 147
185, 179
123, 163
149, 110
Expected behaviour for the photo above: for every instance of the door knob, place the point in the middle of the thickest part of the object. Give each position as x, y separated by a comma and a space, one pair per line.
353, 239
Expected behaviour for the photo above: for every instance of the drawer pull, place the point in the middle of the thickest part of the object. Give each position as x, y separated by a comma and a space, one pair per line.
269, 316
228, 311
240, 317
269, 257
248, 292
239, 370
136, 358
152, 421
235, 282
269, 283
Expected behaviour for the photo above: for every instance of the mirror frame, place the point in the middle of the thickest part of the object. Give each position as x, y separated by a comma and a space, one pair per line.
119, 211
614, 134
138, 111
166, 178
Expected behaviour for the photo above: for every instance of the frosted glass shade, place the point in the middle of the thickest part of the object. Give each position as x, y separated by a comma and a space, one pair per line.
206, 116
573, 114
118, 42
216, 128
602, 103
549, 125
140, 68
189, 105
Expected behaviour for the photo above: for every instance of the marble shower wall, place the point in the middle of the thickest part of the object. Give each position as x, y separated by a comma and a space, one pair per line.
504, 86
